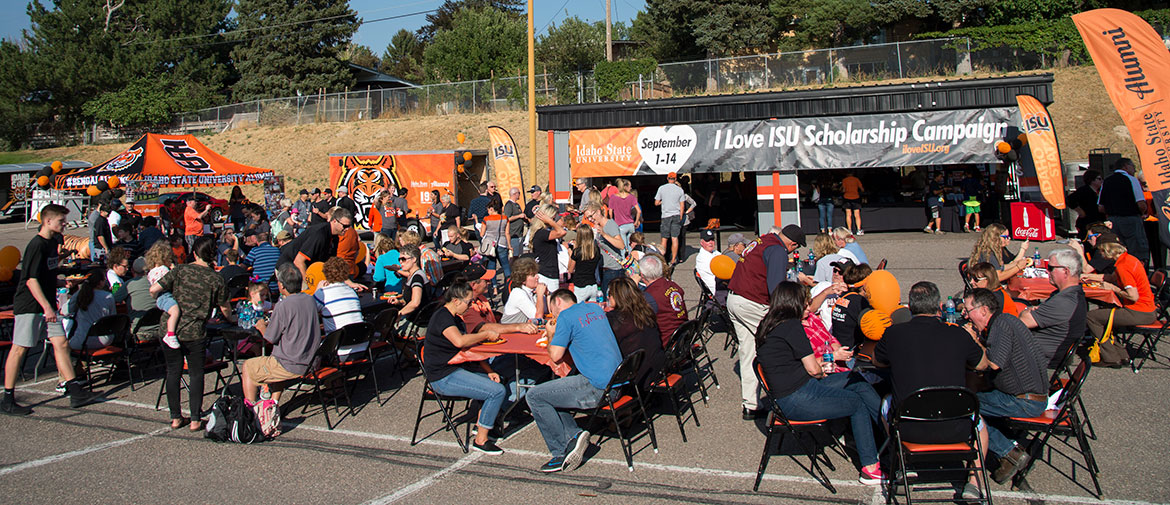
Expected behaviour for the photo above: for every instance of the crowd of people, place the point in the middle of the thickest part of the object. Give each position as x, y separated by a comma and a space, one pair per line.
828, 337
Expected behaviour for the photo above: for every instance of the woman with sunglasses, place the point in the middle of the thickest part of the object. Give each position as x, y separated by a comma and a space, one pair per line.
992, 248
1131, 285
984, 275
446, 336
413, 289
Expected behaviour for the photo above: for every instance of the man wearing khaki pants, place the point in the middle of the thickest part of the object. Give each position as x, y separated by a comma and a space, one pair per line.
764, 264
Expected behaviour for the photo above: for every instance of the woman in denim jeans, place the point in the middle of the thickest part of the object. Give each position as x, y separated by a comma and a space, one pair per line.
799, 385
446, 336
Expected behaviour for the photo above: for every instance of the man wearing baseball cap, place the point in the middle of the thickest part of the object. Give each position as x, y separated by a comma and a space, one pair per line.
736, 243
763, 267
534, 195
672, 199
707, 251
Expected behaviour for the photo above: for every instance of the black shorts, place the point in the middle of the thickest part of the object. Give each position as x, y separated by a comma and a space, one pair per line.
851, 204
933, 212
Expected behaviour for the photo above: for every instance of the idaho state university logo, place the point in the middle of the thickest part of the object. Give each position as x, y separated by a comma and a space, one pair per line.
365, 177
127, 158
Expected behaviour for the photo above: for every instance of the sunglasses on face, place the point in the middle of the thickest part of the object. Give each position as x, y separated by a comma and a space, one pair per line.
1054, 267
1005, 236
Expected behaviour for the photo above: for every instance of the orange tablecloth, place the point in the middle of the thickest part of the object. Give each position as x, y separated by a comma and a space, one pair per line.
517, 343
1041, 289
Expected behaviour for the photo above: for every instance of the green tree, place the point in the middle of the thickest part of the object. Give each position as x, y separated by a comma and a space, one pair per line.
360, 55
480, 41
279, 59
665, 30
403, 56
146, 101
20, 106
823, 23
81, 49
734, 27
568, 49
444, 17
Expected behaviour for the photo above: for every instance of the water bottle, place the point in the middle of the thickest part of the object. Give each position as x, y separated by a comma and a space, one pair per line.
949, 307
828, 365
62, 298
1036, 256
812, 258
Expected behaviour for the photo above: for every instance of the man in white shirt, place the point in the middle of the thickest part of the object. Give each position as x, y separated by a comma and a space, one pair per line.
707, 251
672, 199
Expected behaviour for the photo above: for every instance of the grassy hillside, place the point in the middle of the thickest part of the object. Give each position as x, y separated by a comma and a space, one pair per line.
1082, 112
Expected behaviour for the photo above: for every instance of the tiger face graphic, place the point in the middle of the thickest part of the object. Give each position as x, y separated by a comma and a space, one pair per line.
365, 177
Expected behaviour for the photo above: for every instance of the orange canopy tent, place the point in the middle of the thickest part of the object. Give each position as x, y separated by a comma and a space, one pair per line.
166, 161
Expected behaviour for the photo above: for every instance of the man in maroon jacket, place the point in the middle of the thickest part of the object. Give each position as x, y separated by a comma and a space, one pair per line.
763, 265
664, 296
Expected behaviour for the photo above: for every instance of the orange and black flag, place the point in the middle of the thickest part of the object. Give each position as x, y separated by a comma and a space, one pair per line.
1135, 67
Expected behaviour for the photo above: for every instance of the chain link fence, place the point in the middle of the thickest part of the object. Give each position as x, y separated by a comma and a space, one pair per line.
922, 59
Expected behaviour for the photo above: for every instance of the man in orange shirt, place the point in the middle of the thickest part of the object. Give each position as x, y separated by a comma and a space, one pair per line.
851, 188
193, 221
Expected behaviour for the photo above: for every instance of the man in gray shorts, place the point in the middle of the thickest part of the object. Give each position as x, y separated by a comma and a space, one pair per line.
35, 310
672, 199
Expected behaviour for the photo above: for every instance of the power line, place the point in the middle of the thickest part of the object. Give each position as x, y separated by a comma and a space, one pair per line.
554, 17
301, 31
294, 23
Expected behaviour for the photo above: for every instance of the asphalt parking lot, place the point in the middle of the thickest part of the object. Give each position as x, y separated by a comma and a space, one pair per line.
122, 450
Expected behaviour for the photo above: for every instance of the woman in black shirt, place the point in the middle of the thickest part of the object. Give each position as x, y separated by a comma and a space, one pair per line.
799, 385
446, 336
634, 325
414, 289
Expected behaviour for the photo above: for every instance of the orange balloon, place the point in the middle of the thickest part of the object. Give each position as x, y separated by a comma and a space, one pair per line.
56, 166
881, 288
1023, 137
466, 155
459, 169
114, 181
461, 137
9, 257
313, 276
1003, 147
93, 191
5, 274
722, 266
43, 181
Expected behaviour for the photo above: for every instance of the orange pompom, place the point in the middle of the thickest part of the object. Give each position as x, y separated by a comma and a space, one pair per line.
461, 137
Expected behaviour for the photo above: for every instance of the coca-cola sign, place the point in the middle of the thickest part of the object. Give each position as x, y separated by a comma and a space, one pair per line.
1032, 221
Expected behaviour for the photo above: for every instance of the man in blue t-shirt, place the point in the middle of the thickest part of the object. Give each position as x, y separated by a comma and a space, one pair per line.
582, 332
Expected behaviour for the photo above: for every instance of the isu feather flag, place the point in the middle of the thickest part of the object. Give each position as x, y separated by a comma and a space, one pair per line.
1135, 67
1045, 153
505, 161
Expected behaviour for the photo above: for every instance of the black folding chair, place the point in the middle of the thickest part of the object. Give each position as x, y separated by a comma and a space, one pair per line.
1063, 373
143, 339
446, 407
1063, 423
114, 325
237, 287
778, 423
670, 380
700, 356
622, 403
359, 362
324, 370
386, 341
915, 464
1150, 334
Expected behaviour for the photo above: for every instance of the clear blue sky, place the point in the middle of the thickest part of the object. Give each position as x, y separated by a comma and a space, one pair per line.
13, 17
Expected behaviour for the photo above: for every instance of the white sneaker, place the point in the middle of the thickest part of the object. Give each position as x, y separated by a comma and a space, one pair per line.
860, 232
927, 230
171, 341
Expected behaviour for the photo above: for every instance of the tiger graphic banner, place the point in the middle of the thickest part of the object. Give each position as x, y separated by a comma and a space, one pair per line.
1135, 67
505, 161
367, 174
1041, 135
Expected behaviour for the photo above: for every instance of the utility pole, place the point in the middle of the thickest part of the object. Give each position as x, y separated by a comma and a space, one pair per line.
532, 98
608, 33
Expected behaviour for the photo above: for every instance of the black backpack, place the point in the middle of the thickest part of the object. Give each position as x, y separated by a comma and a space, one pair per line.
233, 421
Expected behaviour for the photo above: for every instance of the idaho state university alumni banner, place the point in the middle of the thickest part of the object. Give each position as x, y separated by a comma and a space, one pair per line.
505, 161
874, 140
1135, 67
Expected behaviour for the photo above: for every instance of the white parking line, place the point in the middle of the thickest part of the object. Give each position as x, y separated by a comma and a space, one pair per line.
80, 452
541, 455
426, 481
